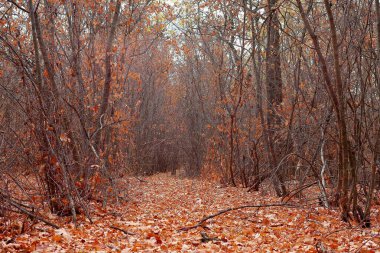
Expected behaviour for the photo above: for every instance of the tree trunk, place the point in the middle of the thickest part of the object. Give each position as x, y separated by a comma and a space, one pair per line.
107, 80
346, 171
274, 93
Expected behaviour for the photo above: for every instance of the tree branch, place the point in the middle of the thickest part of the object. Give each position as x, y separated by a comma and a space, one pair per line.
233, 209
122, 230
18, 6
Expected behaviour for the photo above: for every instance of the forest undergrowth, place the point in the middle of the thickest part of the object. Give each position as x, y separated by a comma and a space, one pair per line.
156, 214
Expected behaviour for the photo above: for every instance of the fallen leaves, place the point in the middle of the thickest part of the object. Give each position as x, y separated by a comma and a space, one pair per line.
157, 209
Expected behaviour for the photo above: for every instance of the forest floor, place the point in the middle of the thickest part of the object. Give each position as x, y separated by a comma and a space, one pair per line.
155, 210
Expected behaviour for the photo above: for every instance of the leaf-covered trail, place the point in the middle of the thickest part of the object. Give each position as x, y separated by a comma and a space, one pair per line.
156, 209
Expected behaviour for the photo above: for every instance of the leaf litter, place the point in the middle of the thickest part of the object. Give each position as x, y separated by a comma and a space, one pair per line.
156, 209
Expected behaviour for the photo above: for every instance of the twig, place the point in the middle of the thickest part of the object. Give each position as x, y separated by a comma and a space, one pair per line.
340, 230
290, 195
141, 180
361, 246
321, 248
122, 230
18, 6
233, 209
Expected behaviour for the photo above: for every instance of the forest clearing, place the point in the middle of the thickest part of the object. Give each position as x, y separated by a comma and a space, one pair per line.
190, 126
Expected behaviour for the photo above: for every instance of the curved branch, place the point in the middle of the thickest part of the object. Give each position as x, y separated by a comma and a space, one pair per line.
233, 209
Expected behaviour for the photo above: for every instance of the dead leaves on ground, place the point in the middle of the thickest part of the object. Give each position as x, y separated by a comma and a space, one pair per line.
150, 220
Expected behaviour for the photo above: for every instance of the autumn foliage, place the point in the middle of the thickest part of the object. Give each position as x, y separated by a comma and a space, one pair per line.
276, 99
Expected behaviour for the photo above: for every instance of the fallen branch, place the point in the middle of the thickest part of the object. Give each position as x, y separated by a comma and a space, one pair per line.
233, 209
291, 194
31, 214
122, 230
141, 180
22, 208
206, 238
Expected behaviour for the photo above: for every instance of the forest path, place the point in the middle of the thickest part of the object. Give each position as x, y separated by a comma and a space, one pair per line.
157, 208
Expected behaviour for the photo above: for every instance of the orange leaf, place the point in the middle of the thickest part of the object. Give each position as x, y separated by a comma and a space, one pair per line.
57, 238
266, 222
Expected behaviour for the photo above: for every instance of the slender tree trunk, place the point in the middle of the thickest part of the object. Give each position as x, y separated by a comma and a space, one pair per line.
74, 34
377, 151
347, 170
257, 83
49, 68
376, 155
377, 6
231, 142
107, 80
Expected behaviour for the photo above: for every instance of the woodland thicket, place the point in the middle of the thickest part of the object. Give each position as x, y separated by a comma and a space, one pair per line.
253, 93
